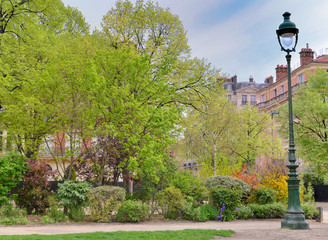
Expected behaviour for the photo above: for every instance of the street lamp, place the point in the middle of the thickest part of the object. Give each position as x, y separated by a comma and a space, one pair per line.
294, 218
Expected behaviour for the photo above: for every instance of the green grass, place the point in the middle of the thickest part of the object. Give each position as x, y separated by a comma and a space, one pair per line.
187, 234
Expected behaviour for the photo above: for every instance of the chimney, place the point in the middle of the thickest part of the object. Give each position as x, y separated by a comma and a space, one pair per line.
269, 80
281, 72
306, 55
251, 79
234, 81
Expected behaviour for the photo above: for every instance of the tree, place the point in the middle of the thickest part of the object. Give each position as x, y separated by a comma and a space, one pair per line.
32, 89
254, 136
143, 62
16, 15
310, 121
209, 133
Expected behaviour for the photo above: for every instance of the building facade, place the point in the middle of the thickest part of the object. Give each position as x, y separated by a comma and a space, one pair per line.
268, 95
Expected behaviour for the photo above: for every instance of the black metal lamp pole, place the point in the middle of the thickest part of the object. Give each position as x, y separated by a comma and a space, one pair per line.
294, 218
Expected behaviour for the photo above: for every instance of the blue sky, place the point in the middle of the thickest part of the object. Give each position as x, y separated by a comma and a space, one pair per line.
236, 36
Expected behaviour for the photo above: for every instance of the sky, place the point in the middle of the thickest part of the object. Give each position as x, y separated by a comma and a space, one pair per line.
236, 36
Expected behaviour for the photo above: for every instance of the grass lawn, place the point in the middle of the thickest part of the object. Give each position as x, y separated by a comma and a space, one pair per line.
187, 234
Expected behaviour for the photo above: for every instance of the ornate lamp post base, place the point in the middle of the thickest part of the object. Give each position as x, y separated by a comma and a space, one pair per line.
294, 221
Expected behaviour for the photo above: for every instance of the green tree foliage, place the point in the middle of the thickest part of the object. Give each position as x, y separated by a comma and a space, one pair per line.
12, 166
208, 133
310, 108
222, 137
253, 137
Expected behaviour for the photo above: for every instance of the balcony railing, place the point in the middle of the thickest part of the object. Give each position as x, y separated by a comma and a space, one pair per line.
280, 98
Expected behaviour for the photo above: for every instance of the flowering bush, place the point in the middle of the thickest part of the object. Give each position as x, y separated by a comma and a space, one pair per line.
277, 182
252, 179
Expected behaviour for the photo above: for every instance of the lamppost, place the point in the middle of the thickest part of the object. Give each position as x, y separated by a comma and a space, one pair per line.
294, 218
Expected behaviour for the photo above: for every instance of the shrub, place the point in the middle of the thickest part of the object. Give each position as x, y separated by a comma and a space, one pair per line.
312, 178
35, 191
12, 216
244, 212
201, 213
228, 182
306, 193
252, 178
279, 184
73, 196
171, 201
193, 213
54, 213
133, 211
310, 210
263, 195
12, 166
103, 201
268, 211
190, 186
227, 200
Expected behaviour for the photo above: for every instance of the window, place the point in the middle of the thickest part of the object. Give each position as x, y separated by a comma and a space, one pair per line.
229, 97
282, 89
253, 100
275, 93
262, 98
243, 99
300, 78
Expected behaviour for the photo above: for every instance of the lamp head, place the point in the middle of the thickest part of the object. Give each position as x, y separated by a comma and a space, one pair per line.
287, 34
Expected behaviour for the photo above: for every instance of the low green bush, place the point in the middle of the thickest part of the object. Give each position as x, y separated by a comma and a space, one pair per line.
230, 183
54, 213
244, 212
171, 201
190, 186
12, 216
104, 200
189, 212
268, 211
73, 196
264, 195
133, 211
310, 210
227, 200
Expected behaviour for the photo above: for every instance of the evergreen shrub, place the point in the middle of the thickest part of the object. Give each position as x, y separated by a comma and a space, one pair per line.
133, 211
104, 201
171, 201
228, 182
263, 195
228, 200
